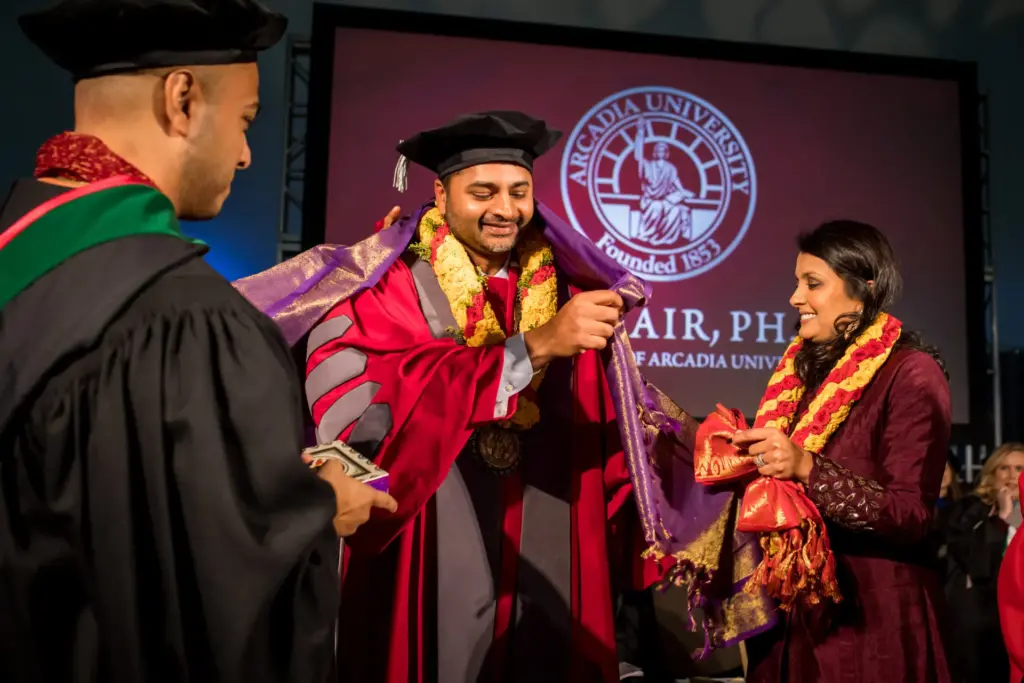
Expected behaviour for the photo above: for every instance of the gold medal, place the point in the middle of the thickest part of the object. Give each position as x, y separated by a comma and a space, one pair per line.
498, 448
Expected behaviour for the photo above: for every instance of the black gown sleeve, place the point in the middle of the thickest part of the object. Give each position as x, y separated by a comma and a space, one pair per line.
210, 548
976, 539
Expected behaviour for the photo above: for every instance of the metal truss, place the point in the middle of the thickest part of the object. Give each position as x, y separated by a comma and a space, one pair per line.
991, 312
289, 241
973, 455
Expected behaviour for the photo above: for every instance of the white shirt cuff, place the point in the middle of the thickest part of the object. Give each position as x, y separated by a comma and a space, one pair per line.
516, 373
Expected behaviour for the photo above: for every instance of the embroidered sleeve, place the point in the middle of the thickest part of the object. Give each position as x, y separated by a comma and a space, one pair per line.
843, 497
907, 458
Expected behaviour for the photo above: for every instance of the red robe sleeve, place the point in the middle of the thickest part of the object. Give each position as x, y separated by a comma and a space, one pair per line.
912, 455
435, 392
1011, 601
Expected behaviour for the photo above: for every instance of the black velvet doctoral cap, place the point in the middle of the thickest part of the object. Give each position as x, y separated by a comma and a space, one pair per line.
92, 38
490, 137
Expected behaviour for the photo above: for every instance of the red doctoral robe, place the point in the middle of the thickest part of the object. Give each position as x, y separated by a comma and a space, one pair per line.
477, 577
875, 483
1011, 600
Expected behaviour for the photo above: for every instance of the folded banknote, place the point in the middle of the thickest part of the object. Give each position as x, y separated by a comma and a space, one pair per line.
356, 466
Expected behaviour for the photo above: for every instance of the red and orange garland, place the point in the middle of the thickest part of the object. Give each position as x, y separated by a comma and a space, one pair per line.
798, 561
464, 286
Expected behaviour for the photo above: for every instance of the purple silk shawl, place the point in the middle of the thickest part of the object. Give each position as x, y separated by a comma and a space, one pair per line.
692, 524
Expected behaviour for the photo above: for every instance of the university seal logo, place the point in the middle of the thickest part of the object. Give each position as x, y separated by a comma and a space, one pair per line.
661, 181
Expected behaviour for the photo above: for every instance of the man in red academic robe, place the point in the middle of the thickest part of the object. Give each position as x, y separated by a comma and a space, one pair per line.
500, 441
1011, 601
476, 351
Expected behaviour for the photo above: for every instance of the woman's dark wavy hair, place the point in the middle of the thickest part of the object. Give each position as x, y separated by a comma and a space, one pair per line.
858, 253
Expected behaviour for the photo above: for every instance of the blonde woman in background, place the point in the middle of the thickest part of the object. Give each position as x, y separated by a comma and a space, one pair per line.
978, 530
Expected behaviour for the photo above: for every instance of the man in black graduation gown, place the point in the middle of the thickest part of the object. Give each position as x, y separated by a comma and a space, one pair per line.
156, 521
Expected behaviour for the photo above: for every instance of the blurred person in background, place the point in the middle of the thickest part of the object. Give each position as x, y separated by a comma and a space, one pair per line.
951, 492
978, 530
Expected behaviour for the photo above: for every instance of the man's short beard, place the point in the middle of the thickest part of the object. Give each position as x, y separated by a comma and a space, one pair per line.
504, 248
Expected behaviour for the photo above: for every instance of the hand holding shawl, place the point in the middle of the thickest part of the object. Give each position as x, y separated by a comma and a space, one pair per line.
798, 561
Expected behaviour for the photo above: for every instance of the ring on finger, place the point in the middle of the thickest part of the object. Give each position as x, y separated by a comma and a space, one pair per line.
759, 460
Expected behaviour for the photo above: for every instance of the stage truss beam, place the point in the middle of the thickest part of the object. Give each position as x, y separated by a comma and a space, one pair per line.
289, 242
973, 455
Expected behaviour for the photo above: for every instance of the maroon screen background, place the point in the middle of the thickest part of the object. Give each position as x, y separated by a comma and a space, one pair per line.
825, 144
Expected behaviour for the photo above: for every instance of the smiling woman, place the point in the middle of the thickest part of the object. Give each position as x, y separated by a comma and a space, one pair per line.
847, 275
858, 415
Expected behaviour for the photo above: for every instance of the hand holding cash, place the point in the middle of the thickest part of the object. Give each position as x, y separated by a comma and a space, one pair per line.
359, 485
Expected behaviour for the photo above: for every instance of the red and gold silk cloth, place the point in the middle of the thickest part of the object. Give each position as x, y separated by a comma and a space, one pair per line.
797, 563
83, 159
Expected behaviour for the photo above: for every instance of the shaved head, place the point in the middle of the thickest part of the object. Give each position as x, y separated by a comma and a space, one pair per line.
185, 127
130, 95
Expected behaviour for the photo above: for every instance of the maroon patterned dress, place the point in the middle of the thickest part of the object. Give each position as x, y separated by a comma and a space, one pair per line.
875, 483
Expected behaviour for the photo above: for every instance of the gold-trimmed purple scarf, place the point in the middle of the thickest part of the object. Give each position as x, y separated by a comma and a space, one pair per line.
688, 528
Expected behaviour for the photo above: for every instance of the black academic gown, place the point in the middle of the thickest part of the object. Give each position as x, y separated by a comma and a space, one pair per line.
156, 521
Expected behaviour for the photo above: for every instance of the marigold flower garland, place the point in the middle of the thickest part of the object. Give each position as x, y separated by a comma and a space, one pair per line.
841, 389
464, 286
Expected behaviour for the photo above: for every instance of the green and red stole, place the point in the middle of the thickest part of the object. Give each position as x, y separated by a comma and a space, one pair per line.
76, 220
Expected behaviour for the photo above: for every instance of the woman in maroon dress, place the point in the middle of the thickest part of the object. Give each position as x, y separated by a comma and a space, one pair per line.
874, 478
